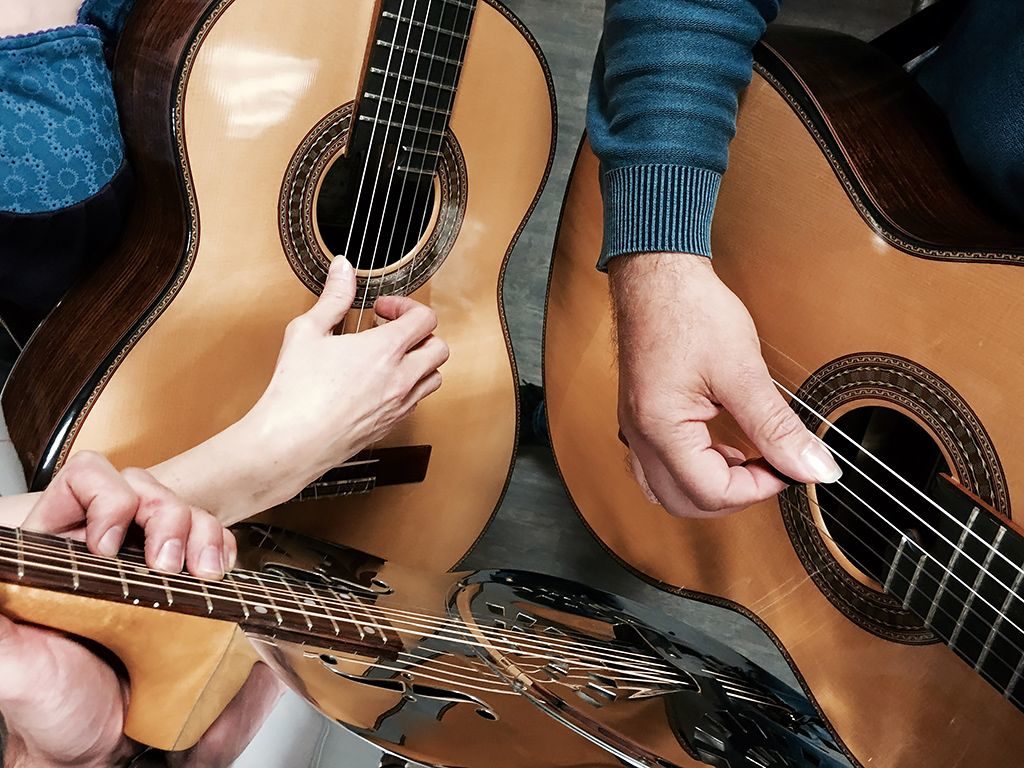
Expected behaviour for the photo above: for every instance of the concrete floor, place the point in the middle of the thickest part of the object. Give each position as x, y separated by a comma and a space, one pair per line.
536, 527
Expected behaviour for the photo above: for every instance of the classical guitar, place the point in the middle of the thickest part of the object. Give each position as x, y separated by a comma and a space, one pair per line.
414, 136
489, 669
888, 300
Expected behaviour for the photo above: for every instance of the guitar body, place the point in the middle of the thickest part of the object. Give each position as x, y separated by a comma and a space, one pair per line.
875, 281
176, 337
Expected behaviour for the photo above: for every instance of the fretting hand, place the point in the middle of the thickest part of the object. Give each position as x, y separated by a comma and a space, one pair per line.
63, 705
687, 349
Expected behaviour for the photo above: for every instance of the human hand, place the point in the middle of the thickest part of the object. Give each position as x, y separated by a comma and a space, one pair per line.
63, 704
91, 501
333, 395
688, 348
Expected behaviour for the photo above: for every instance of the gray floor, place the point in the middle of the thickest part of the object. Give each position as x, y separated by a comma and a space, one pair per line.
536, 527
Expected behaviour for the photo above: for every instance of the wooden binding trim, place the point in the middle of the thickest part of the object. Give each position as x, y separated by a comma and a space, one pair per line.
887, 142
54, 377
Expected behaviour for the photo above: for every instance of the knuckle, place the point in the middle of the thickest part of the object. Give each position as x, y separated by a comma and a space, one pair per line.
298, 326
781, 424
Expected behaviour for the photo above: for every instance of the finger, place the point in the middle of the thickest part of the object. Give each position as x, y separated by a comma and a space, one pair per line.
165, 519
205, 553
641, 478
88, 489
336, 298
426, 358
777, 432
230, 551
686, 473
425, 387
409, 321
733, 456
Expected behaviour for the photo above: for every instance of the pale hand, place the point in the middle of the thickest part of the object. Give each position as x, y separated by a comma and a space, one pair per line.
62, 704
687, 348
332, 395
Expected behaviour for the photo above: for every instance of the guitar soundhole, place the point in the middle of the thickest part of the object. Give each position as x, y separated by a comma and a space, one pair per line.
918, 426
866, 515
372, 212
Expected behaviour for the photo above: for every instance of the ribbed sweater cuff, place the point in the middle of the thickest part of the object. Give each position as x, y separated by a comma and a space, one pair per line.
657, 209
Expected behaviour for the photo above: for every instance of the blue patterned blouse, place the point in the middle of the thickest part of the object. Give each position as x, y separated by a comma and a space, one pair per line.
64, 184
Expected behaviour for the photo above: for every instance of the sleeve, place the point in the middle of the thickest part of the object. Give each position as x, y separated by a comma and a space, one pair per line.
662, 112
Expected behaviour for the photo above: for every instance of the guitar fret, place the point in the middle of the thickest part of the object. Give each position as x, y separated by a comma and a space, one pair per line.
206, 596
894, 567
21, 553
167, 591
358, 624
389, 124
944, 581
407, 104
416, 52
374, 627
74, 564
302, 608
974, 588
424, 25
994, 632
123, 578
411, 169
273, 605
914, 579
241, 599
411, 79
460, 4
326, 610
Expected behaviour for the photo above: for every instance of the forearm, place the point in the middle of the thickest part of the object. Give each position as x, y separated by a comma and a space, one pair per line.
238, 472
661, 115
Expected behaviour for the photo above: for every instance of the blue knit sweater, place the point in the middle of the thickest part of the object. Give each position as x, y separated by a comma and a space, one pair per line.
663, 110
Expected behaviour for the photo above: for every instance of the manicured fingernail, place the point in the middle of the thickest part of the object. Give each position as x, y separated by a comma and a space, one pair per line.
171, 557
210, 563
346, 265
819, 462
110, 543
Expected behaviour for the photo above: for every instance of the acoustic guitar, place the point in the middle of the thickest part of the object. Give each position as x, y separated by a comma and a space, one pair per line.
487, 669
413, 136
888, 300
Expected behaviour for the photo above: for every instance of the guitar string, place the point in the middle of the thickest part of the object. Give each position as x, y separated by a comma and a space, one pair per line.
464, 46
585, 652
990, 549
406, 49
494, 645
402, 138
366, 165
989, 677
562, 656
986, 675
42, 544
988, 546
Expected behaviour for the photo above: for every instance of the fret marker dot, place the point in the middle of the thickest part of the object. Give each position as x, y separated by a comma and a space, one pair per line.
261, 609
156, 605
135, 601
369, 630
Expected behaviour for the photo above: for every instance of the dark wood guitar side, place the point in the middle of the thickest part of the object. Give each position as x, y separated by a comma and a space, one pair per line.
236, 113
887, 297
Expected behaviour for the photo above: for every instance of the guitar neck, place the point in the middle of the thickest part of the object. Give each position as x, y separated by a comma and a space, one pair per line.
962, 577
254, 600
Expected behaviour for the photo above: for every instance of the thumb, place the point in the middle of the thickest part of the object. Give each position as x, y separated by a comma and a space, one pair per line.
337, 297
776, 431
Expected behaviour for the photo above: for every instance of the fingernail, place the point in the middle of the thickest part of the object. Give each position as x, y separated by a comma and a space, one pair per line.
110, 542
210, 563
229, 558
819, 462
171, 557
346, 265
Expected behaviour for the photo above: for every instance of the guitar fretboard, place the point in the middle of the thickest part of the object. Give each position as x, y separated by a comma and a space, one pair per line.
255, 600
